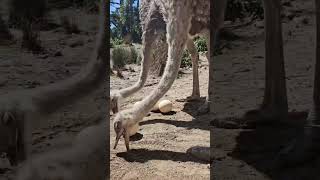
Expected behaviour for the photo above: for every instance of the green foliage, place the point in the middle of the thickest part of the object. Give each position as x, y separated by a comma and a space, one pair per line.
244, 8
124, 55
186, 59
125, 20
119, 57
201, 44
134, 56
116, 42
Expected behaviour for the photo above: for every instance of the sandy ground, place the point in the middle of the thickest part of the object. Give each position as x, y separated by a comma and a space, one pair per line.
160, 151
248, 154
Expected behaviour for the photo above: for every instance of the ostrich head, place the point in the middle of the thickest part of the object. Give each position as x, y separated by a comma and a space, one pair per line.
123, 122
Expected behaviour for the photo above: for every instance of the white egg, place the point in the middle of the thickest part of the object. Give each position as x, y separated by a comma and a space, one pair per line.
165, 106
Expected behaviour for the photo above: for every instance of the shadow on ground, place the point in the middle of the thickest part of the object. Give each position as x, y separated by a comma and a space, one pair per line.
144, 155
255, 151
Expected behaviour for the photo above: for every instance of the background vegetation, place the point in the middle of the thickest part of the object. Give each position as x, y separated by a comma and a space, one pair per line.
125, 25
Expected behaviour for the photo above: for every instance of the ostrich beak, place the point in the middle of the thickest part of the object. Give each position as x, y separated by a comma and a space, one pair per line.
125, 135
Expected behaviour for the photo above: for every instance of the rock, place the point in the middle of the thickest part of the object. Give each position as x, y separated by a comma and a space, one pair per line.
58, 53
199, 152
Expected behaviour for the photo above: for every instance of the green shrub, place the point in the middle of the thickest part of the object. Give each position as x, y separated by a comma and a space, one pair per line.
201, 44
119, 57
116, 42
134, 56
186, 59
122, 56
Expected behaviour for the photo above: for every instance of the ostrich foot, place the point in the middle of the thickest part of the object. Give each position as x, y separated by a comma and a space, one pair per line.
273, 117
199, 152
254, 118
305, 146
193, 97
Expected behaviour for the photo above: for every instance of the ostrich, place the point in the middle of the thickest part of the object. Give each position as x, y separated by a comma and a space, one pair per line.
183, 20
159, 28
187, 18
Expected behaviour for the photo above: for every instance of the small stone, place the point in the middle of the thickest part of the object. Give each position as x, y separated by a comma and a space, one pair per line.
58, 53
199, 152
44, 56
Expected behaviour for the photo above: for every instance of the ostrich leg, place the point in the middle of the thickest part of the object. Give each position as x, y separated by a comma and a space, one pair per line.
217, 13
148, 37
195, 74
217, 10
177, 31
274, 106
306, 145
314, 117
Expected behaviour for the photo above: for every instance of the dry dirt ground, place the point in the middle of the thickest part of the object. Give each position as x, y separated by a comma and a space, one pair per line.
22, 70
239, 76
160, 150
